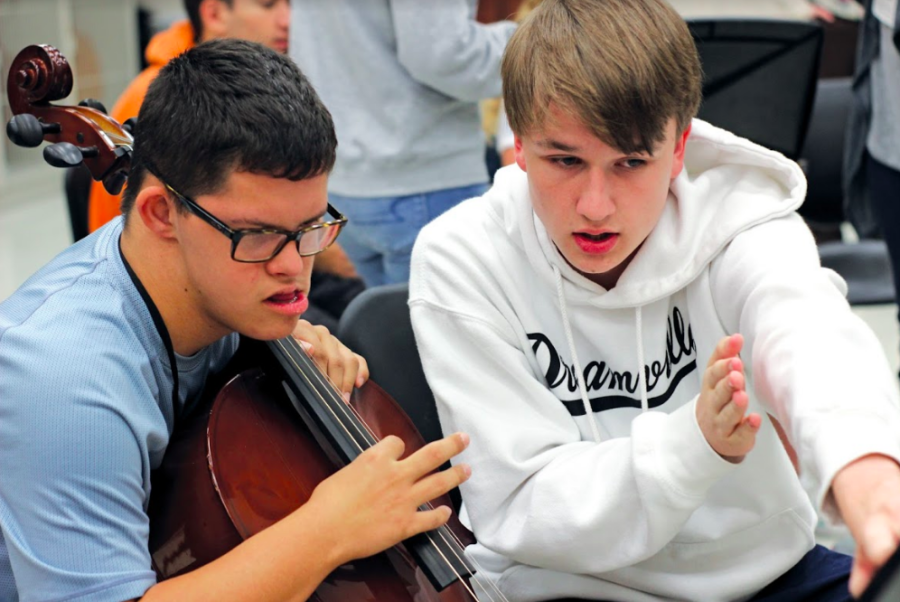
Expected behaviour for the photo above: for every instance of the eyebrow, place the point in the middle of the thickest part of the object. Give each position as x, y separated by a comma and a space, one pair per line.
258, 224
557, 145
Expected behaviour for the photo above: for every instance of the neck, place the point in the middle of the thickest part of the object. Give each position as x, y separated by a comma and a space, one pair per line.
159, 268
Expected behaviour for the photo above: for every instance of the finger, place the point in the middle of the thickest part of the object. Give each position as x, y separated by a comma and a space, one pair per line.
437, 484
727, 347
861, 574
344, 369
732, 415
433, 455
429, 520
878, 540
363, 374
721, 369
391, 447
723, 395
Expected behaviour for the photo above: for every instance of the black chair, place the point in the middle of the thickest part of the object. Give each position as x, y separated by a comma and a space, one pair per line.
759, 78
865, 265
377, 325
822, 154
78, 188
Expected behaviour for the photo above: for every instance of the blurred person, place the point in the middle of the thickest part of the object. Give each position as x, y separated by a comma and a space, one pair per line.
403, 79
111, 343
265, 22
872, 154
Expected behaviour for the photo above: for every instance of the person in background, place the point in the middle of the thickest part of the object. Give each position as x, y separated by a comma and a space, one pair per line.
872, 153
106, 348
262, 21
403, 79
627, 309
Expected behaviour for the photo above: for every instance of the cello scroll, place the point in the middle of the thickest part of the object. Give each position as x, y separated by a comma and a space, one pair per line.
78, 134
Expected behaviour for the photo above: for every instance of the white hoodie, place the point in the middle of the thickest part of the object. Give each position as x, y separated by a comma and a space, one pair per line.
634, 504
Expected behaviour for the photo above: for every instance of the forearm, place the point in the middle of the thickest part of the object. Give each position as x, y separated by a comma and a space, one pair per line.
285, 562
444, 48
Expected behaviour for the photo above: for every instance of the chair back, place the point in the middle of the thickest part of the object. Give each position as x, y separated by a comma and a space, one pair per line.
823, 152
759, 78
377, 325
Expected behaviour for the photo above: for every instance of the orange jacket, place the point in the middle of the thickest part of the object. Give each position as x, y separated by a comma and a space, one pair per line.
162, 48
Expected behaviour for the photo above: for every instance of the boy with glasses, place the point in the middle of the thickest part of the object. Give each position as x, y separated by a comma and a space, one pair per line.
104, 347
628, 307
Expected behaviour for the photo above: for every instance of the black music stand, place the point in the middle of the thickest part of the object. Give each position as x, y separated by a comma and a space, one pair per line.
759, 78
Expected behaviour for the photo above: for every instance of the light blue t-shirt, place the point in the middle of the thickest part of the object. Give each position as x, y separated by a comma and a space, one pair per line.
86, 411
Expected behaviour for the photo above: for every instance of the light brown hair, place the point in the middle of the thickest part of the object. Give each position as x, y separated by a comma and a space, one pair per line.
622, 67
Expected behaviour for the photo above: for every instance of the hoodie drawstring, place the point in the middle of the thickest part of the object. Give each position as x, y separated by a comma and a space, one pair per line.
579, 374
645, 404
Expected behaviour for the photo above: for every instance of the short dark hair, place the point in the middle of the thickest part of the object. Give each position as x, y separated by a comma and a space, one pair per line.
224, 106
192, 8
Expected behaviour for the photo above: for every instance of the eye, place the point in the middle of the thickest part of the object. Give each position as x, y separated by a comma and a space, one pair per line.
566, 162
634, 163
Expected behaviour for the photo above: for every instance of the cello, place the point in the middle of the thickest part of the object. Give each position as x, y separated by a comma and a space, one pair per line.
271, 434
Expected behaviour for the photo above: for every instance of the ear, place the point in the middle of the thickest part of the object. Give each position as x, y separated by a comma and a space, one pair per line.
520, 153
215, 17
680, 145
156, 211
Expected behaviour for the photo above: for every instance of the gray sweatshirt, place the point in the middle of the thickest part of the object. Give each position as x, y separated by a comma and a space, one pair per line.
402, 79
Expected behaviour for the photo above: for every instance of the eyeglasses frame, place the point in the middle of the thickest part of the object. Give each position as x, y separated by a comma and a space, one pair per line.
236, 235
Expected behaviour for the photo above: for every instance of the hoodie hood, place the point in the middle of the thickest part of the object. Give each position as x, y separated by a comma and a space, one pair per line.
728, 184
168, 44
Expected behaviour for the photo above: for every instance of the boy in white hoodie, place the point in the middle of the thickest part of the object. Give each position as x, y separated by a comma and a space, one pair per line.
565, 319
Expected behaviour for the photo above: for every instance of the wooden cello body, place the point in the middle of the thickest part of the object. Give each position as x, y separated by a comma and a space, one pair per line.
248, 460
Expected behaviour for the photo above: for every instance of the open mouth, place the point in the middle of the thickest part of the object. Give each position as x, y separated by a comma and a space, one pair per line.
596, 237
285, 298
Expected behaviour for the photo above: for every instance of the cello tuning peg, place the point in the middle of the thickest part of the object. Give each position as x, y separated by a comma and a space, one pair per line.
93, 103
28, 131
66, 154
130, 124
114, 182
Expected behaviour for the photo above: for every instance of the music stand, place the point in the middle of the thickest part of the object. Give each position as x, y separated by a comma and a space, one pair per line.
759, 78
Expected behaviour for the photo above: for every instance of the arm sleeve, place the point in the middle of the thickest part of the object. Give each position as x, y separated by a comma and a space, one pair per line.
539, 494
814, 363
72, 472
443, 47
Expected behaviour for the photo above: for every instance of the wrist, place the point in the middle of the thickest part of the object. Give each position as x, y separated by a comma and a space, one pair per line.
859, 481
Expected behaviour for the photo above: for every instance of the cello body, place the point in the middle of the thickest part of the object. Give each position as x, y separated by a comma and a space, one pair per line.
249, 460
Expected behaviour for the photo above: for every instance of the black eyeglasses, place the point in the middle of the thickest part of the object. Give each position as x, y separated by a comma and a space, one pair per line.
259, 245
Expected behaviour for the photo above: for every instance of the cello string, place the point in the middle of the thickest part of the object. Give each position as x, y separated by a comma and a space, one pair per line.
332, 390
328, 385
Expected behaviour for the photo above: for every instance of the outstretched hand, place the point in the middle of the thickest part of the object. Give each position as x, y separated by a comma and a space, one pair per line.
723, 403
867, 493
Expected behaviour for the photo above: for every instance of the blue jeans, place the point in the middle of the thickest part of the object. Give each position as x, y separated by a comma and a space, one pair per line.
381, 231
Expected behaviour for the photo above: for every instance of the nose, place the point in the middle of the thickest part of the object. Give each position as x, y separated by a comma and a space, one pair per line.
595, 201
289, 263
284, 14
